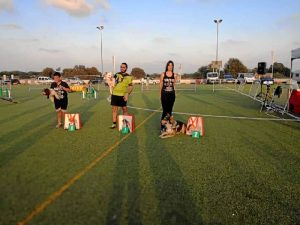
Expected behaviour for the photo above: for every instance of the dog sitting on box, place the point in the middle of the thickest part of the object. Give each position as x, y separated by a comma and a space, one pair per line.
171, 127
51, 94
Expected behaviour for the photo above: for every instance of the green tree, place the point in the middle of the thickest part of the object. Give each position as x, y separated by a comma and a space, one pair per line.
202, 71
48, 72
67, 72
235, 66
279, 70
92, 71
138, 73
79, 70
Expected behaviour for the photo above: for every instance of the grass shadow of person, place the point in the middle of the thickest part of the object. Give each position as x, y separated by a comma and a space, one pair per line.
176, 203
126, 187
15, 141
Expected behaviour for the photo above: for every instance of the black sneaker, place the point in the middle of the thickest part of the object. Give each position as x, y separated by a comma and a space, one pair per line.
113, 126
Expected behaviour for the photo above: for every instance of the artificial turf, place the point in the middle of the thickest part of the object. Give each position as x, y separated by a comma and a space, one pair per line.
239, 172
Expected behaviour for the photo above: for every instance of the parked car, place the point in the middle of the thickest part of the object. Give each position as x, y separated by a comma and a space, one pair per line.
228, 78
245, 78
212, 77
74, 80
267, 80
150, 80
4, 81
44, 80
136, 81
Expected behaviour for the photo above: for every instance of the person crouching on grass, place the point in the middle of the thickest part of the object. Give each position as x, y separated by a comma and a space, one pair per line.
61, 104
122, 89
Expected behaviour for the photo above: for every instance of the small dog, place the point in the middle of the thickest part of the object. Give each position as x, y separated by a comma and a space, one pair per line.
171, 127
110, 80
51, 94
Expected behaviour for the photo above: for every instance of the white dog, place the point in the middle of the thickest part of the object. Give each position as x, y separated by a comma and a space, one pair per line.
110, 80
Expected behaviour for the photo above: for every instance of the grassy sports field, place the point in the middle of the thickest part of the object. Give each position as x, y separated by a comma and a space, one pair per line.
243, 171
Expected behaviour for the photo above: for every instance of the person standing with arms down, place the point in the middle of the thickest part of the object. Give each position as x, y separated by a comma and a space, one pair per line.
167, 90
122, 89
61, 104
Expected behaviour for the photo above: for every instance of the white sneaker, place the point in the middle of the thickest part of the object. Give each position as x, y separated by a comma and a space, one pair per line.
113, 126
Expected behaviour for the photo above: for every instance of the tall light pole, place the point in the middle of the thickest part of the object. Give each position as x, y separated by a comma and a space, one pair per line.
217, 51
101, 28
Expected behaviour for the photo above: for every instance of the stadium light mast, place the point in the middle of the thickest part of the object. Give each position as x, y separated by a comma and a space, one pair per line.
101, 28
217, 50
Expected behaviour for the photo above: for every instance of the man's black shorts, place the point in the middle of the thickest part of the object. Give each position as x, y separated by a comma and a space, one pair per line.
118, 101
61, 104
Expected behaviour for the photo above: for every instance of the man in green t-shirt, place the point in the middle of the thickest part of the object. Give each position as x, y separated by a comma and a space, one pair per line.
122, 89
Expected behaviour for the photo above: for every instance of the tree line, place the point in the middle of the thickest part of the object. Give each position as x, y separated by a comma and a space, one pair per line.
233, 66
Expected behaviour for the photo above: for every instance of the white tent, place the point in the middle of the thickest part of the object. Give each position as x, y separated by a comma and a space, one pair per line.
294, 55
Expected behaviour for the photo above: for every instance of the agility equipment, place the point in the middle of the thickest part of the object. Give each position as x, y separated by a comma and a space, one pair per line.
126, 123
196, 134
77, 88
195, 124
72, 121
5, 92
125, 130
72, 127
89, 92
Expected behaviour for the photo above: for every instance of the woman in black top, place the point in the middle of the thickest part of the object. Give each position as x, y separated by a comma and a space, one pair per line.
167, 90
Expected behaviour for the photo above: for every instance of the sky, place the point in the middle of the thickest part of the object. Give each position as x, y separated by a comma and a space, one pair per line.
35, 34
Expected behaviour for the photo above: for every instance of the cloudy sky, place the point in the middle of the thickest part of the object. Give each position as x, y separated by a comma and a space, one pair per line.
62, 33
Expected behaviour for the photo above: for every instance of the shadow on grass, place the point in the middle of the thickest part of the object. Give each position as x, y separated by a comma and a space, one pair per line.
34, 130
21, 114
176, 204
126, 188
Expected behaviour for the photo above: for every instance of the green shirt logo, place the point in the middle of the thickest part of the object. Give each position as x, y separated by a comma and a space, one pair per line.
122, 82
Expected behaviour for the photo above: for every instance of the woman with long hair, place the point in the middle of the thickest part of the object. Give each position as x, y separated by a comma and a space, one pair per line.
167, 89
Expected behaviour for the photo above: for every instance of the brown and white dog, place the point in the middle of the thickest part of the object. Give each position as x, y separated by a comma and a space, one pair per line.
172, 127
51, 94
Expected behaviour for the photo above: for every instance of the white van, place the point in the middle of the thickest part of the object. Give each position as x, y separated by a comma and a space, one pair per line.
44, 80
245, 78
212, 77
74, 80
296, 76
149, 80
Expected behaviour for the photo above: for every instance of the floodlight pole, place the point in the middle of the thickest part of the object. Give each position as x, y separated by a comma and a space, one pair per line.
272, 64
217, 50
101, 28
